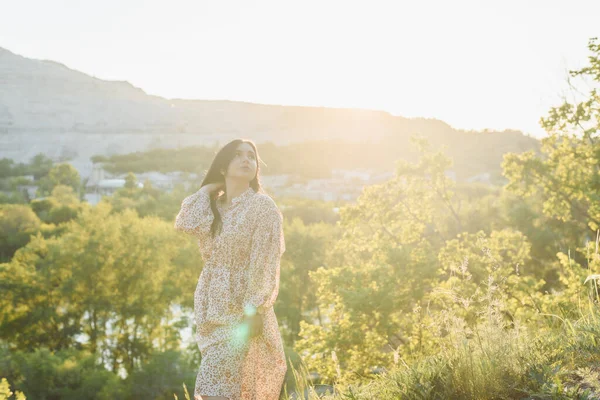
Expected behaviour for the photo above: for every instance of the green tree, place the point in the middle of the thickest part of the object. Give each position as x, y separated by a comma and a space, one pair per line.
110, 277
306, 250
473, 265
309, 210
150, 380
566, 177
17, 223
60, 174
131, 181
6, 167
62, 205
40, 165
36, 307
69, 374
381, 267
148, 201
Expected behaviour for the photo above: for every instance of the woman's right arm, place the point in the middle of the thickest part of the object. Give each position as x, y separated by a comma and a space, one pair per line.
195, 216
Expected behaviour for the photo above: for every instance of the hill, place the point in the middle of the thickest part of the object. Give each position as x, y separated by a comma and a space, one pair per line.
49, 108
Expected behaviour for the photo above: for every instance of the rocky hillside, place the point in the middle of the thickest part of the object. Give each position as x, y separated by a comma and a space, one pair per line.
47, 107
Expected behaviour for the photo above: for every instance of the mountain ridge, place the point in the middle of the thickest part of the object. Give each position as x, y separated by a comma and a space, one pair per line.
133, 108
47, 107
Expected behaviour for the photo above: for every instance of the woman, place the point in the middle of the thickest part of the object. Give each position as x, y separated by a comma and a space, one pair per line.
240, 237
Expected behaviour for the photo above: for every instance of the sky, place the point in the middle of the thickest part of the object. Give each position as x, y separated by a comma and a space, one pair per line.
475, 64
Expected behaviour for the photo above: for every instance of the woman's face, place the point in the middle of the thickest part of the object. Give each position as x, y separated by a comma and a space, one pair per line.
244, 164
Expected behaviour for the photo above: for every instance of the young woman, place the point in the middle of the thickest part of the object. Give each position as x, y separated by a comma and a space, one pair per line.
240, 237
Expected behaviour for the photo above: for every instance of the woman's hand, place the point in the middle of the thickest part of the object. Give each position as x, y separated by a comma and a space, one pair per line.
255, 325
213, 187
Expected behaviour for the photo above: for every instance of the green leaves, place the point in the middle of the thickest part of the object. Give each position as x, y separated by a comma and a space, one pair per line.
110, 277
60, 174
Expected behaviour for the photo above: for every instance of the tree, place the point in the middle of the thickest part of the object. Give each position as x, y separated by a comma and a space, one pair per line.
131, 181
6, 167
150, 380
309, 211
566, 177
475, 266
60, 206
307, 247
40, 166
381, 267
69, 374
17, 223
61, 174
110, 277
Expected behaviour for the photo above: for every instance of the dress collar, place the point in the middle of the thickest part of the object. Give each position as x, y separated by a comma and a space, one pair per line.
239, 198
242, 196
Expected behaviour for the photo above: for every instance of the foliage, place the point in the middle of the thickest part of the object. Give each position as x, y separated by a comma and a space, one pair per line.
5, 392
39, 166
67, 374
309, 211
112, 278
17, 223
60, 174
566, 176
490, 357
151, 381
80, 375
317, 159
306, 248
379, 269
146, 201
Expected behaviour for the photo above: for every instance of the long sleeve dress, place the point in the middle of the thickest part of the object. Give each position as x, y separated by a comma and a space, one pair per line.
241, 274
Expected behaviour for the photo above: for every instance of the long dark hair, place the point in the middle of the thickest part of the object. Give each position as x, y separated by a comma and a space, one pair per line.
221, 162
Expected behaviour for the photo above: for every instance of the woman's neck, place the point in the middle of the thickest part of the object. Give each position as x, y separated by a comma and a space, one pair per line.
233, 191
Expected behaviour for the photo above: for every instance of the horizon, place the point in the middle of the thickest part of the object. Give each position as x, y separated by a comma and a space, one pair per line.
506, 76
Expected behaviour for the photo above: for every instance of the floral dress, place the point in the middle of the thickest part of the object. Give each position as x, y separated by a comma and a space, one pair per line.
240, 274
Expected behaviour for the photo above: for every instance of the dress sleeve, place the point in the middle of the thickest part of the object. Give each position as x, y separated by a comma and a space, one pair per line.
268, 244
195, 216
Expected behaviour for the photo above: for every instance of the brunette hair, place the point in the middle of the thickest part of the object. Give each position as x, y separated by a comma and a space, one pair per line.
213, 175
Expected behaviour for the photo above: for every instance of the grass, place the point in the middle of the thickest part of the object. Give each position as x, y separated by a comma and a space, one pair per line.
494, 359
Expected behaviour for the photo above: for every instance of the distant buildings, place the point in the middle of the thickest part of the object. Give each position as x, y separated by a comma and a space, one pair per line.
483, 177
166, 181
275, 181
104, 187
343, 185
99, 185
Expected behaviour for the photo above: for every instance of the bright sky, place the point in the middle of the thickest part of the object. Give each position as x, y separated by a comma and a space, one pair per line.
497, 64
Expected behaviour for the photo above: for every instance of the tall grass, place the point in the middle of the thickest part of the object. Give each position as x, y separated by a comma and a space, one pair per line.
496, 359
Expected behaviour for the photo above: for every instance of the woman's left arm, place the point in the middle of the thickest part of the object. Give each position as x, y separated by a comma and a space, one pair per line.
195, 216
268, 244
